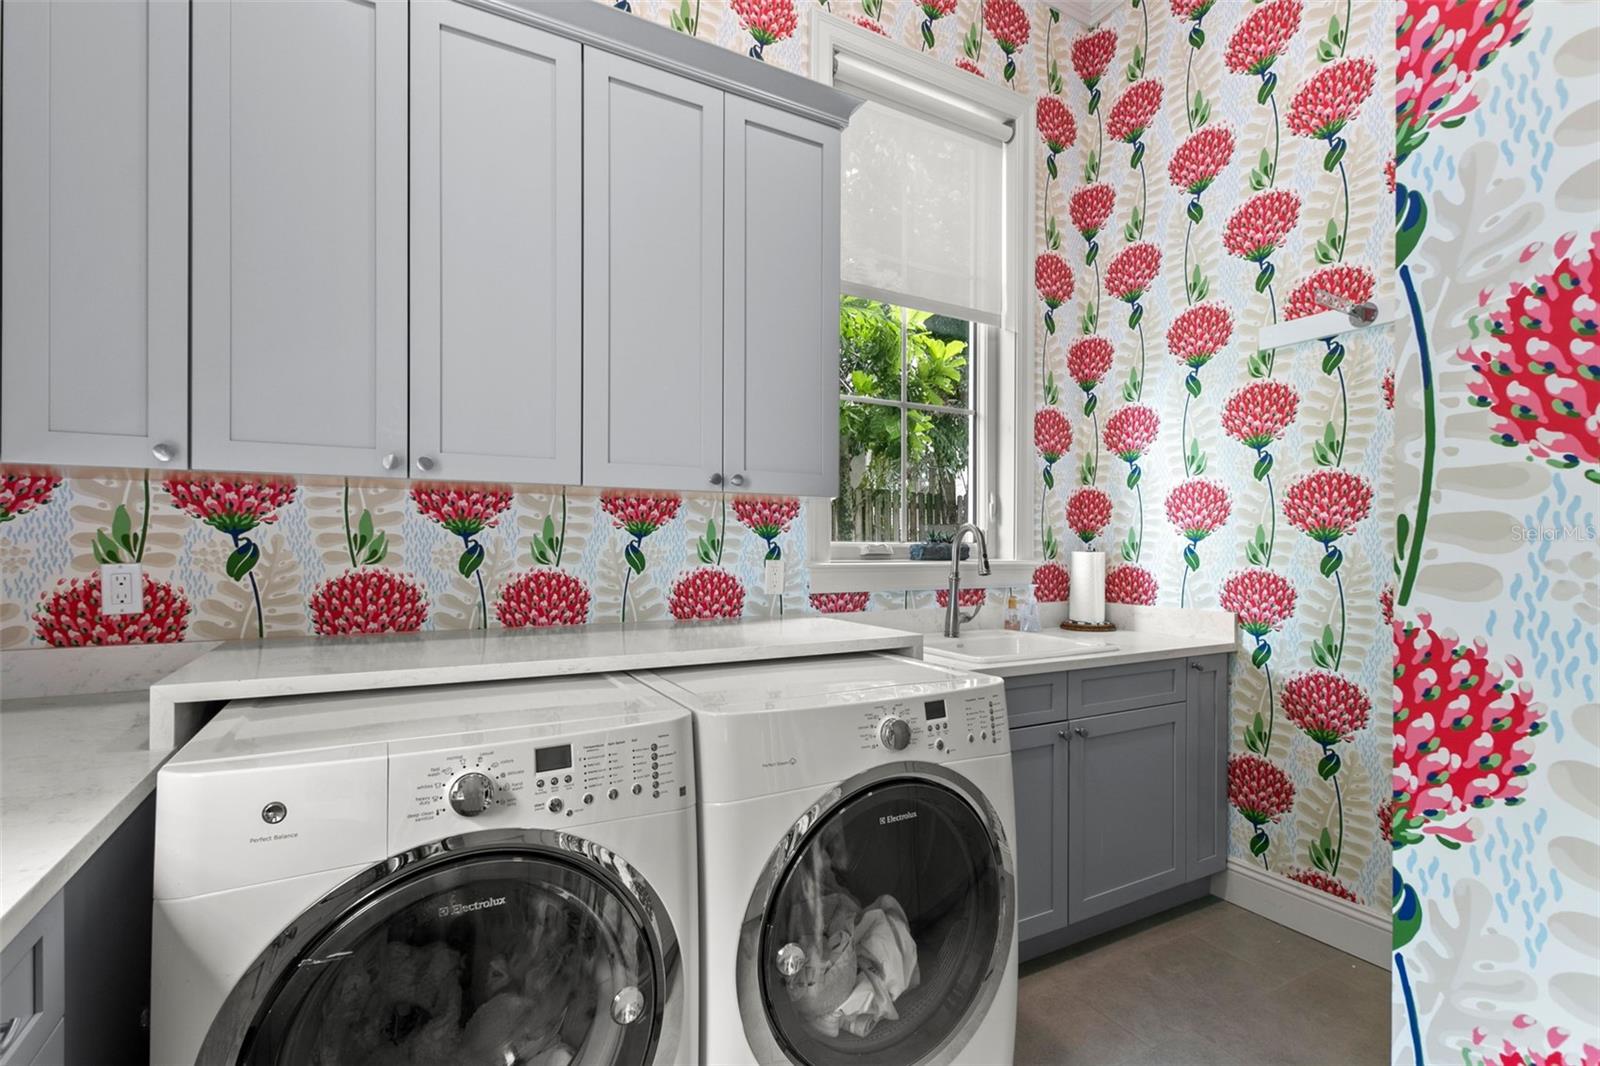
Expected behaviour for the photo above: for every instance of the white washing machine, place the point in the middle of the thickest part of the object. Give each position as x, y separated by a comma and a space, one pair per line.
857, 877
496, 873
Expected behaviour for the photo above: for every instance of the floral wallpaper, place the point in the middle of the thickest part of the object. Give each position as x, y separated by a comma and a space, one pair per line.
1493, 812
1226, 152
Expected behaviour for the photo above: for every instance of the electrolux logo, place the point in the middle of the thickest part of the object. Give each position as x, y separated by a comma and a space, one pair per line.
890, 819
454, 909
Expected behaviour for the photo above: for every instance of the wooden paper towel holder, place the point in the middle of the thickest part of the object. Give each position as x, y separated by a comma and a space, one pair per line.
1087, 627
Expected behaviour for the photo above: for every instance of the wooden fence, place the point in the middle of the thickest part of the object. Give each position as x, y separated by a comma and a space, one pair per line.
874, 514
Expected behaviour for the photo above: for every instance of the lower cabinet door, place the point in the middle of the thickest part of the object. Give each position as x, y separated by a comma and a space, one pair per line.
1208, 765
1127, 798
1039, 777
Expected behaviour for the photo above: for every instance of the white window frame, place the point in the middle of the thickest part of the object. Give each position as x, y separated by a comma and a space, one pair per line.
1006, 370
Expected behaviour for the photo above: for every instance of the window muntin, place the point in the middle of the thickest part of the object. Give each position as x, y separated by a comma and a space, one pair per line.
909, 424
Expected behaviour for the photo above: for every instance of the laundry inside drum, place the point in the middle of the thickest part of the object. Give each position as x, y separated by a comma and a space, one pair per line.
544, 967
883, 931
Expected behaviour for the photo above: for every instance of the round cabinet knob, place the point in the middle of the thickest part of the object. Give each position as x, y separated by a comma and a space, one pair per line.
894, 733
627, 1006
736, 480
471, 794
791, 957
390, 461
716, 479
424, 463
164, 452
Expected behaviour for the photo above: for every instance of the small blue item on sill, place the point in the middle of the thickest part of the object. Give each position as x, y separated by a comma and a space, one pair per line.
933, 551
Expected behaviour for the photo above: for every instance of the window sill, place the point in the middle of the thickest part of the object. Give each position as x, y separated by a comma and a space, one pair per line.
893, 575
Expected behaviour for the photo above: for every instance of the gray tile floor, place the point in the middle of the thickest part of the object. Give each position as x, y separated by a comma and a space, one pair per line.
1205, 983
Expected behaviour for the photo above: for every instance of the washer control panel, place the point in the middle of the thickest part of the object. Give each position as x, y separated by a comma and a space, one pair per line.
538, 782
959, 725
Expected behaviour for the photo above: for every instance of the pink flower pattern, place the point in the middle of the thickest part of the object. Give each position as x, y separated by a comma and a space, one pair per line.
1134, 110
1051, 583
1538, 373
1088, 513
840, 602
706, 593
1262, 600
22, 490
544, 597
368, 601
1261, 225
1132, 270
1132, 585
1198, 333
1262, 37
1200, 158
70, 616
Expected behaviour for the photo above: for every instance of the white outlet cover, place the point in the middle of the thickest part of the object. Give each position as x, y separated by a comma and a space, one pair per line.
772, 577
121, 588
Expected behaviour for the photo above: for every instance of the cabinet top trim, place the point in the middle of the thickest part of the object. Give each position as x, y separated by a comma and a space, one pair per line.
639, 39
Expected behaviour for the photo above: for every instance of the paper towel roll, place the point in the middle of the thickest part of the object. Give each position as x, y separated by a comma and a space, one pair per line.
1086, 595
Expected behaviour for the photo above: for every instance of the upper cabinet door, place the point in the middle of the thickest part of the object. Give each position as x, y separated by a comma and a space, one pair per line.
299, 245
496, 239
781, 354
94, 216
652, 268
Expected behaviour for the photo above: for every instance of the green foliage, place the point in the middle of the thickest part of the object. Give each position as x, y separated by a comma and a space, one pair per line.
937, 373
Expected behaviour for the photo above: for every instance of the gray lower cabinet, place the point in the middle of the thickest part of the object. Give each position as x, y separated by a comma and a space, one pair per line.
1039, 773
1121, 790
75, 982
1208, 765
94, 207
1127, 808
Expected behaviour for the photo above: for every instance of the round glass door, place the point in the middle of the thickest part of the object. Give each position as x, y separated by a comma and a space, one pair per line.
501, 959
883, 928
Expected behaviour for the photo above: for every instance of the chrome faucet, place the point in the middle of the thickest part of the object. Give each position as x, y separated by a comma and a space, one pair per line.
952, 611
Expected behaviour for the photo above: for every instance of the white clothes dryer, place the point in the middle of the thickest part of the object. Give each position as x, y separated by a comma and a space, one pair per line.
483, 873
857, 877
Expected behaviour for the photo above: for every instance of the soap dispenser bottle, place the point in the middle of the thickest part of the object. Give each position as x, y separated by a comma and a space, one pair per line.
1013, 615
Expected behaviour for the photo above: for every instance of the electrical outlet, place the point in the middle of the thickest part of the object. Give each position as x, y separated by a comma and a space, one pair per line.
772, 577
121, 588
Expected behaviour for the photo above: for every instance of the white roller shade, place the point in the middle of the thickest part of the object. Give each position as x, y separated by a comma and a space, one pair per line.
921, 214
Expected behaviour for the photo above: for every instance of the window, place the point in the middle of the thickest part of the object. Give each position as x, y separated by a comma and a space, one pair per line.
935, 315
907, 434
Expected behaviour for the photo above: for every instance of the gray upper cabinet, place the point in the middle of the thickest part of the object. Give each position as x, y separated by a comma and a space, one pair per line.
496, 234
1127, 802
1208, 765
94, 213
298, 297
1039, 777
652, 271
781, 347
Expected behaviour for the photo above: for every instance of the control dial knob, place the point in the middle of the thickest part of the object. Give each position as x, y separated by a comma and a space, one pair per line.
894, 733
471, 794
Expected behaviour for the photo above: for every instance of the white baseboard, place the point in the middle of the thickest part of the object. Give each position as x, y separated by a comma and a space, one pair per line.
1360, 931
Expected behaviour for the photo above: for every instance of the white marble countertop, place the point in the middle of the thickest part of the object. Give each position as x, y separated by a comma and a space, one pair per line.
72, 768
255, 669
1143, 635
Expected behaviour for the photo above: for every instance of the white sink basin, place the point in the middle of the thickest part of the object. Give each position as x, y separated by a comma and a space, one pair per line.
1004, 645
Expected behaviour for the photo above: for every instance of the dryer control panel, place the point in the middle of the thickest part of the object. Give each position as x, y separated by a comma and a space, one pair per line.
956, 725
541, 781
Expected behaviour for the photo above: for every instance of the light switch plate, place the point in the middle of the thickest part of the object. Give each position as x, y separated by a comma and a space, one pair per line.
121, 588
772, 577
